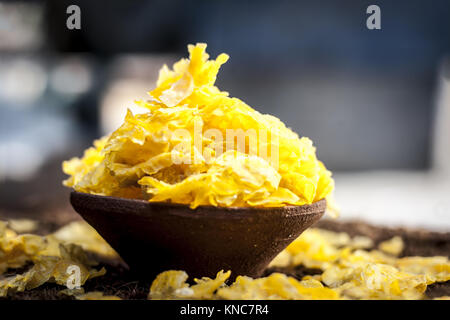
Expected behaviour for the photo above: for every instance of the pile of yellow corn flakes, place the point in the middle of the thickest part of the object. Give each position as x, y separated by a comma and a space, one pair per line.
196, 145
351, 268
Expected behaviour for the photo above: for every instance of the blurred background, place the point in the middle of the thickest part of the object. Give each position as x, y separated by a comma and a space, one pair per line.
375, 102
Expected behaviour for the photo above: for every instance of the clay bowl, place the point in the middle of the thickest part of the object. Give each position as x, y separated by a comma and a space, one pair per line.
152, 237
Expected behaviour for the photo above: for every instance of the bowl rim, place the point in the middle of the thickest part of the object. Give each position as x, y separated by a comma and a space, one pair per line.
139, 207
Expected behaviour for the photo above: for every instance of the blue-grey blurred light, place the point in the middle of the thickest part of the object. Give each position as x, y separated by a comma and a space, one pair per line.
23, 81
71, 76
21, 26
27, 140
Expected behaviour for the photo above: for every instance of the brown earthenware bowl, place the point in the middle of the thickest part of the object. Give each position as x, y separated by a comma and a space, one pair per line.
152, 236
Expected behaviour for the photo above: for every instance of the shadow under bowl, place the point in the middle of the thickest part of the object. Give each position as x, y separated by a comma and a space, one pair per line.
153, 237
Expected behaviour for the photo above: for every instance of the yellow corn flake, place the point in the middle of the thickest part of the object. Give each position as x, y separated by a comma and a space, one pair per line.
198, 146
169, 284
283, 259
74, 255
16, 283
442, 298
317, 277
78, 169
206, 287
393, 246
17, 250
22, 225
172, 285
436, 269
82, 234
361, 242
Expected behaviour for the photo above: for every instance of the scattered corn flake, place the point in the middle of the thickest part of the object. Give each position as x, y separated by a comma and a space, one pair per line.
149, 157
205, 287
17, 250
436, 269
22, 225
317, 277
172, 285
16, 283
393, 246
283, 259
82, 234
169, 284
361, 242
359, 257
